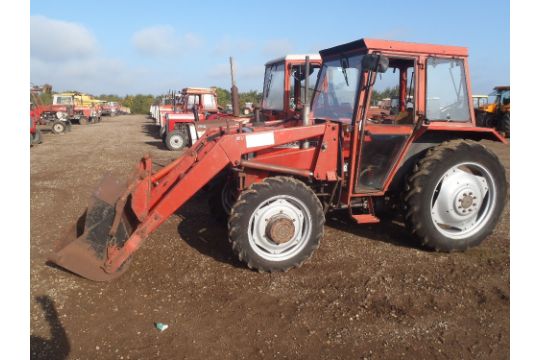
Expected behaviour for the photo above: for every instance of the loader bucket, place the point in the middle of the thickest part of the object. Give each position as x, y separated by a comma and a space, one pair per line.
84, 249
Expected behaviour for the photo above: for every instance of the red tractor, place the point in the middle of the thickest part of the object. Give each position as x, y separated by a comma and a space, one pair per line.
110, 108
165, 106
57, 116
84, 110
35, 132
278, 183
197, 110
192, 107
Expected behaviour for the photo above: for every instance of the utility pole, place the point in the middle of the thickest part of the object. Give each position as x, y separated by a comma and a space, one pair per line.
234, 91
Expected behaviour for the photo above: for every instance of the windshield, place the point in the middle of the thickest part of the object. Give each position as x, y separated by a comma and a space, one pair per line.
335, 96
273, 88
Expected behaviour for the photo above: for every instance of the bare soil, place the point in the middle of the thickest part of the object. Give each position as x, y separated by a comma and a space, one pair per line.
368, 292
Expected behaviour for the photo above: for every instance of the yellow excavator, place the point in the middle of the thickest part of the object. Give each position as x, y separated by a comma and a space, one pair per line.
496, 114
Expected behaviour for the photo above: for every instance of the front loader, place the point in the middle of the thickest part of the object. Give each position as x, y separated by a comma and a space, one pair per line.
278, 183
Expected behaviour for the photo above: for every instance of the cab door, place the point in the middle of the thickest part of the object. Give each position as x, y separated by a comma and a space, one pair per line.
389, 123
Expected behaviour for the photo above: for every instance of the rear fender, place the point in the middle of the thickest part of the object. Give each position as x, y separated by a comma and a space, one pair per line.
431, 138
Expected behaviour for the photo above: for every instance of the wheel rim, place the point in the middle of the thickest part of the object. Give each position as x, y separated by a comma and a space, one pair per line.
279, 228
58, 128
176, 142
463, 200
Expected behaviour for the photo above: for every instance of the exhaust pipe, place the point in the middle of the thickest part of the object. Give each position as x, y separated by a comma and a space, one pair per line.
234, 91
306, 109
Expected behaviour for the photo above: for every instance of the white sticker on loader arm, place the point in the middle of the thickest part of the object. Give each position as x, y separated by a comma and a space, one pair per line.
260, 139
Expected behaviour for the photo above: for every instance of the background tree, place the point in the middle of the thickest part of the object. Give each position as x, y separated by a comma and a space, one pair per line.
386, 93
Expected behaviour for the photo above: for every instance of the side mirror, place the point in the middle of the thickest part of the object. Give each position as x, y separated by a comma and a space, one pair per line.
375, 62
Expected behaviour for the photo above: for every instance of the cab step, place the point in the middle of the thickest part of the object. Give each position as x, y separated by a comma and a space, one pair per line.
366, 219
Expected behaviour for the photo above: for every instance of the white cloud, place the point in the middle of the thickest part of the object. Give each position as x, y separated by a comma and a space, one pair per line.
162, 40
55, 40
68, 56
277, 47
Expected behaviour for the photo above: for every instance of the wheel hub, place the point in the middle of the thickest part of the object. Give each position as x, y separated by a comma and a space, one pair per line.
280, 230
466, 202
279, 227
177, 141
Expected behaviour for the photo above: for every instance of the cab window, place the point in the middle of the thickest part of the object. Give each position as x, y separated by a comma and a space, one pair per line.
393, 94
446, 91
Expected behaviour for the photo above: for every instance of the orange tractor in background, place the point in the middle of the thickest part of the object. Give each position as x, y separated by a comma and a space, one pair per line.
423, 164
496, 114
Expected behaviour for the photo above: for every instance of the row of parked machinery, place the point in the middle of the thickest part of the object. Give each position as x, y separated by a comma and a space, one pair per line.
67, 108
183, 117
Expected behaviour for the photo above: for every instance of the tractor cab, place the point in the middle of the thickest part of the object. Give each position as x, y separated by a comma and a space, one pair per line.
204, 99
480, 101
501, 99
431, 89
284, 85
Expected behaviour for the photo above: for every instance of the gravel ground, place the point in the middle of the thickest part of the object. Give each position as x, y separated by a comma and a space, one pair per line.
368, 292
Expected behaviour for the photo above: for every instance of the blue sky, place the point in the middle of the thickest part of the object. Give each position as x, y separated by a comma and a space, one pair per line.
126, 47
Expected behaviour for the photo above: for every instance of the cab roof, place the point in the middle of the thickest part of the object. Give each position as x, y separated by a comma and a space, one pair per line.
198, 90
398, 46
294, 57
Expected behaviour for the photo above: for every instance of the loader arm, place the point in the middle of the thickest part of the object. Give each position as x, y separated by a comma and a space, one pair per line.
119, 219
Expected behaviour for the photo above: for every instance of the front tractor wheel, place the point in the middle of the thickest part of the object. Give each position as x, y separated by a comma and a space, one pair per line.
36, 138
455, 196
176, 140
276, 224
58, 127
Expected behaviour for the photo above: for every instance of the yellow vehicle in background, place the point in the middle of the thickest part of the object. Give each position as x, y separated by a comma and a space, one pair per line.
86, 109
480, 100
496, 114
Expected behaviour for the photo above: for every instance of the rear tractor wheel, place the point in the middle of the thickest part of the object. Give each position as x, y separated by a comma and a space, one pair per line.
455, 196
177, 140
505, 124
276, 224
